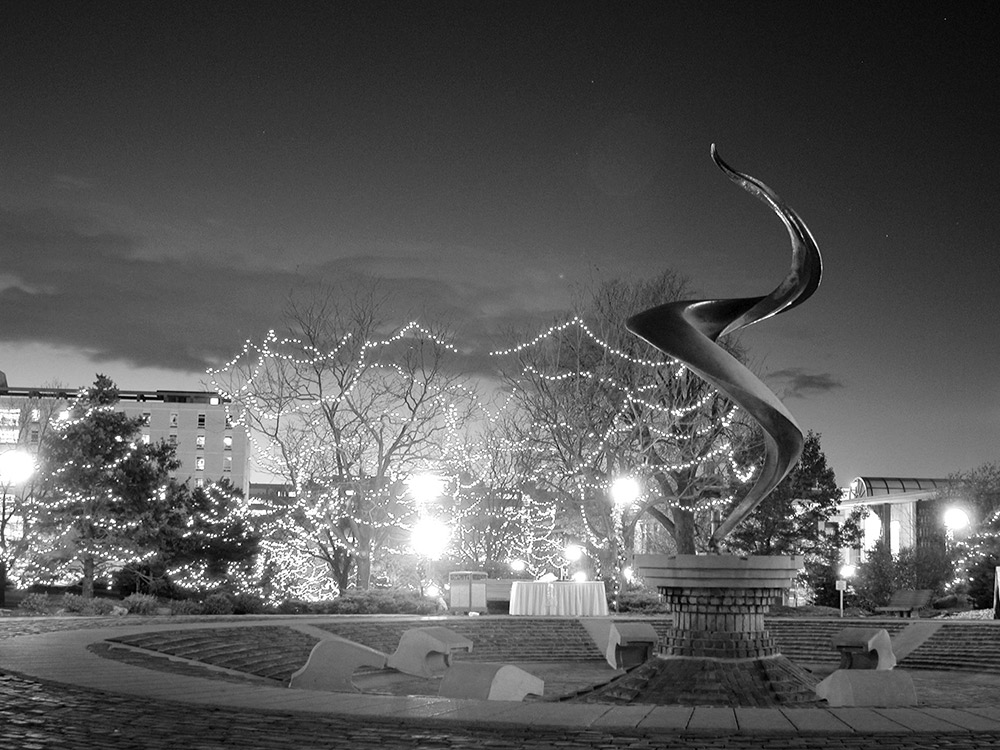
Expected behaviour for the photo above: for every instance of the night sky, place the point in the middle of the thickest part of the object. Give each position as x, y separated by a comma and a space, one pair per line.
170, 172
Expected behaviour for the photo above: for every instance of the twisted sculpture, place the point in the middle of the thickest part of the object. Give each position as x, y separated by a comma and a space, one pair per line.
687, 331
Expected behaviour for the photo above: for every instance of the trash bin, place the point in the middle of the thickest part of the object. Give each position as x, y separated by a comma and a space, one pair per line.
468, 590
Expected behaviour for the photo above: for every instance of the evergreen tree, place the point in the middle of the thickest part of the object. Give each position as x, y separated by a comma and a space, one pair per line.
104, 491
205, 541
793, 520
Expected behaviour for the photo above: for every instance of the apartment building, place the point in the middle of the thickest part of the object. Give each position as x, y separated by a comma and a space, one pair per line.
196, 423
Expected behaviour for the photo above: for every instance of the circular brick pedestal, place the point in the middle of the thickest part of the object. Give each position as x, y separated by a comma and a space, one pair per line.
717, 651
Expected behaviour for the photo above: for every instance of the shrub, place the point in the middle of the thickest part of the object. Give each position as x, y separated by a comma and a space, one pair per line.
35, 604
101, 606
293, 607
381, 601
76, 603
247, 604
641, 602
218, 604
876, 578
185, 607
140, 604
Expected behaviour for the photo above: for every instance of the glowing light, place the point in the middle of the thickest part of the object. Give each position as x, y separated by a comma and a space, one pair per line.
430, 538
572, 552
956, 519
432, 590
425, 487
518, 566
847, 571
625, 491
629, 574
580, 576
16, 466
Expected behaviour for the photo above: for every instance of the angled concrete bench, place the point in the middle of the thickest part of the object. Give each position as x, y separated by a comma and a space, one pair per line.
866, 676
907, 602
854, 687
487, 681
630, 644
864, 648
426, 652
332, 663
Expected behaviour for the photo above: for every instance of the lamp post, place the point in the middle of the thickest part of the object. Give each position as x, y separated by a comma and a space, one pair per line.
16, 467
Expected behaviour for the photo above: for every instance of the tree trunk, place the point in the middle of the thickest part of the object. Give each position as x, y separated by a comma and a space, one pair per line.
684, 531
88, 577
364, 570
3, 582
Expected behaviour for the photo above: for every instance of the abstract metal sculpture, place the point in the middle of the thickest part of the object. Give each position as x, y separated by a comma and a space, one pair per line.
688, 331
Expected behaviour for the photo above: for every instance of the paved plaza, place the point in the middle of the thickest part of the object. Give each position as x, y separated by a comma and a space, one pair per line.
55, 693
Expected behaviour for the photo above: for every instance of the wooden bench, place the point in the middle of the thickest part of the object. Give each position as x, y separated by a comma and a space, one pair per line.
906, 602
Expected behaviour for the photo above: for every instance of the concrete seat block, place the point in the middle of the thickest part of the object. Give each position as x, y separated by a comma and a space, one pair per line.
630, 644
487, 681
853, 687
426, 652
331, 664
864, 648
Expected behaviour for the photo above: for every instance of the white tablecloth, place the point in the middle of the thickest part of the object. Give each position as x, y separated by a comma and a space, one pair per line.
561, 598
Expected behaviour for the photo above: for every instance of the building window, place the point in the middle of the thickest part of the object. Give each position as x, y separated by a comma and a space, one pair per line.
201, 421
229, 421
199, 463
173, 419
199, 442
145, 419
227, 463
34, 436
227, 442
10, 421
199, 482
172, 440
145, 438
36, 415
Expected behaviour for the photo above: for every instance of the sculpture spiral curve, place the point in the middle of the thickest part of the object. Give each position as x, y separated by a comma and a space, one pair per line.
688, 330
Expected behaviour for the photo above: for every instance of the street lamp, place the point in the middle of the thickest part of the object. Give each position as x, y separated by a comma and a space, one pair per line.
956, 519
425, 488
16, 467
430, 538
625, 491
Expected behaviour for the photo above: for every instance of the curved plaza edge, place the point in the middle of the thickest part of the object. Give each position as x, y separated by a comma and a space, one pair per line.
50, 657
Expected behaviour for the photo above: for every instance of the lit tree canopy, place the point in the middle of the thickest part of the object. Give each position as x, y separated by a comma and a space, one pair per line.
601, 404
343, 408
102, 489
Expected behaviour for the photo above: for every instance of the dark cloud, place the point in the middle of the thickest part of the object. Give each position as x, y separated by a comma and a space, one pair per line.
794, 382
69, 283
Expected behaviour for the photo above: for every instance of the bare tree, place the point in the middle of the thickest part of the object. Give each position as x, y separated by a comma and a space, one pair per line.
499, 514
601, 404
344, 408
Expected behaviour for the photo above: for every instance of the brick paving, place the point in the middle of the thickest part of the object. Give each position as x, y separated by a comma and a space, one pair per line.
37, 714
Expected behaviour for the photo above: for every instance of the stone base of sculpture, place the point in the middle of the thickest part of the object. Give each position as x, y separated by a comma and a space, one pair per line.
717, 651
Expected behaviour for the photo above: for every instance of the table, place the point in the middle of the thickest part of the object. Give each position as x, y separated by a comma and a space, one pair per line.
561, 598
